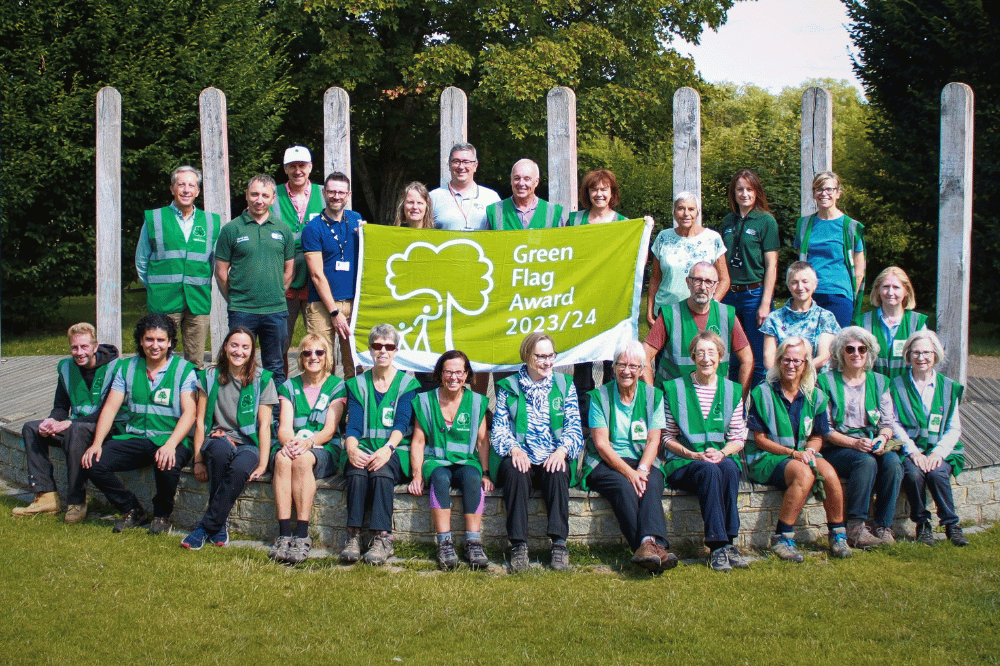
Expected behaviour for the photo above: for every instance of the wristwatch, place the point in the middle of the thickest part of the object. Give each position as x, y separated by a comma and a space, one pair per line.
334, 313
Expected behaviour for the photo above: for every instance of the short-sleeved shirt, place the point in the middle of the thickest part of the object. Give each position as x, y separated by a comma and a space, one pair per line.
677, 255
747, 239
826, 256
455, 212
620, 435
811, 324
657, 336
226, 412
256, 254
189, 383
338, 241
756, 423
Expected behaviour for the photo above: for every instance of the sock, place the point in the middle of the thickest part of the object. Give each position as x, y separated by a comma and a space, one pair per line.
285, 527
647, 538
834, 526
559, 542
473, 536
715, 545
783, 528
302, 529
442, 537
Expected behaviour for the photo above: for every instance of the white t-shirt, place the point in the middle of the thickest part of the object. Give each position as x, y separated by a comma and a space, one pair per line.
455, 212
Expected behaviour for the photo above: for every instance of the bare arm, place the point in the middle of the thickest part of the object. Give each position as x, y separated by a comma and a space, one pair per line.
859, 270
314, 262
822, 350
263, 439
770, 279
745, 356
222, 277
770, 351
655, 278
647, 370
104, 422
723, 268
289, 273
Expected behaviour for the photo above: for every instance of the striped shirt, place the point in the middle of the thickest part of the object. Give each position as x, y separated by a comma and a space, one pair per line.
737, 432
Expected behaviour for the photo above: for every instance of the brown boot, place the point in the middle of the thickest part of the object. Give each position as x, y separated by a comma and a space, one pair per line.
75, 513
44, 503
647, 556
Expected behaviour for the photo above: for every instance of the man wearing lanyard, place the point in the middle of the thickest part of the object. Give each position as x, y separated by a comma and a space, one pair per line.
461, 204
330, 243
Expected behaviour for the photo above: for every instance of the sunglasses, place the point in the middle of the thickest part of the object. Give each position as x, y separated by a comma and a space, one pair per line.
378, 346
860, 349
318, 353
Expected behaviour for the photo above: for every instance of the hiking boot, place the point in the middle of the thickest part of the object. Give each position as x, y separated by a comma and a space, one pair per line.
159, 526
718, 559
667, 559
75, 513
279, 551
859, 535
381, 549
476, 556
885, 535
519, 557
647, 556
783, 545
43, 503
736, 559
838, 543
132, 518
925, 533
447, 558
560, 557
955, 535
196, 539
220, 538
298, 550
352, 549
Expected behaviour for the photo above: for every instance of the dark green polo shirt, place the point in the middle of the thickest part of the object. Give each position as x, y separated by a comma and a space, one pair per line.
759, 235
256, 254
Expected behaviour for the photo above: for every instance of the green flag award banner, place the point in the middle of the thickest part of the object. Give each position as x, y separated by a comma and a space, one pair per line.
483, 292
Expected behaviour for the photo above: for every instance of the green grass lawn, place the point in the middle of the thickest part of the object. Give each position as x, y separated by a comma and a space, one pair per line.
82, 595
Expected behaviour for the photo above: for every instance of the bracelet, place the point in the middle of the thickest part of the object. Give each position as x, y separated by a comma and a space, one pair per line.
198, 462
642, 468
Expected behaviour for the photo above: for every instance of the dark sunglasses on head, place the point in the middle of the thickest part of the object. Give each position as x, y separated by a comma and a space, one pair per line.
318, 353
378, 346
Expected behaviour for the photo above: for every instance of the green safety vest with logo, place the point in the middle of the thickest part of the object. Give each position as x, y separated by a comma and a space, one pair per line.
284, 209
380, 414
832, 384
249, 402
698, 433
454, 445
502, 216
760, 463
890, 361
180, 273
923, 428
313, 418
85, 401
674, 360
579, 218
854, 231
153, 411
646, 402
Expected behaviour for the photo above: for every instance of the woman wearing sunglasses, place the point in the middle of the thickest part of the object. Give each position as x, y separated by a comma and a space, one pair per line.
311, 407
861, 417
379, 417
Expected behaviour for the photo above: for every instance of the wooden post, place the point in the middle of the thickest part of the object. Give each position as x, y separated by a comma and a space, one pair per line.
454, 125
687, 142
817, 141
215, 188
955, 228
561, 113
109, 216
337, 134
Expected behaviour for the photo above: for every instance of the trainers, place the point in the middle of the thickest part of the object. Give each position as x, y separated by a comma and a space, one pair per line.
43, 503
476, 556
381, 549
447, 557
925, 533
298, 550
783, 545
220, 538
859, 535
279, 551
838, 543
560, 557
647, 556
196, 539
352, 549
885, 535
718, 559
75, 513
955, 535
132, 518
519, 557
735, 557
159, 526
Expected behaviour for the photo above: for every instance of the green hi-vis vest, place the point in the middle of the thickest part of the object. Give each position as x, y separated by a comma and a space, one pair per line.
180, 273
761, 464
890, 361
84, 401
502, 216
644, 405
579, 218
455, 445
379, 415
696, 432
518, 409
925, 429
246, 414
853, 232
674, 360
153, 412
832, 384
284, 209
313, 418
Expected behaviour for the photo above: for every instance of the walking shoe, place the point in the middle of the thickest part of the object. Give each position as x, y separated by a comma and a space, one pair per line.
279, 551
736, 559
132, 518
159, 526
220, 538
838, 543
196, 539
75, 513
885, 535
476, 556
352, 549
925, 533
955, 535
43, 503
519, 557
783, 545
381, 549
298, 550
447, 557
859, 535
560, 557
667, 559
718, 559
647, 556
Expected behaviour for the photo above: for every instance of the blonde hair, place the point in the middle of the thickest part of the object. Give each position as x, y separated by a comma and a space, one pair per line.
323, 342
824, 176
427, 222
909, 301
808, 381
83, 328
531, 341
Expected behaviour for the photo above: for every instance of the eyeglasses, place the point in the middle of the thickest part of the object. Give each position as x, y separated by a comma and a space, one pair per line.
454, 373
825, 190
860, 349
379, 346
336, 193
922, 354
705, 353
794, 362
464, 163
542, 358
631, 367
703, 281
318, 353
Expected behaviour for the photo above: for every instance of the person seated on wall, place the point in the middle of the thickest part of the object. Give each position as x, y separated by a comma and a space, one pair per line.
450, 449
158, 391
861, 417
311, 406
621, 463
788, 421
536, 439
703, 435
415, 209
83, 385
893, 320
800, 317
379, 421
930, 428
232, 432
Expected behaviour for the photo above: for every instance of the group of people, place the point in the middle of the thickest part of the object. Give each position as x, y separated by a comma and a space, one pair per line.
811, 398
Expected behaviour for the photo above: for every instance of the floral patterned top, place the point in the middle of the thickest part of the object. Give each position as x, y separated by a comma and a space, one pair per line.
809, 325
677, 255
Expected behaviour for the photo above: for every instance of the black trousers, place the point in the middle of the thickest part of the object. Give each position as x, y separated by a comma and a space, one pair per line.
516, 488
120, 455
638, 517
376, 488
229, 469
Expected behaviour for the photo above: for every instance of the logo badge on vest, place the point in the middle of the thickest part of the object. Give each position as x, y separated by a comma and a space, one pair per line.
161, 396
807, 426
199, 233
639, 431
462, 421
897, 347
557, 404
714, 329
388, 414
96, 386
873, 415
321, 403
246, 403
934, 424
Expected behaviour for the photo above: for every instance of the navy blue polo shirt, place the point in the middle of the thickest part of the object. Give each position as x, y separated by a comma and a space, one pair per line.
338, 241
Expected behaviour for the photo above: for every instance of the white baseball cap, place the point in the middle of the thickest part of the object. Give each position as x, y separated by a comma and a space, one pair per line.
297, 154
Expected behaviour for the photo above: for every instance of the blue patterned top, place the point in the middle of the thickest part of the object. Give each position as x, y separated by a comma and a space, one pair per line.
812, 323
538, 440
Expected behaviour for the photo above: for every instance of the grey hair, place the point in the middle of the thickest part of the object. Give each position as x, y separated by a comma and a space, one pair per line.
459, 147
264, 180
930, 336
631, 349
187, 168
704, 263
797, 267
688, 196
846, 335
533, 163
385, 332
808, 382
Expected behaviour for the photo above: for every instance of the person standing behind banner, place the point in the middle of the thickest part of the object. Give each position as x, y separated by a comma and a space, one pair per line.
524, 210
893, 320
461, 204
414, 209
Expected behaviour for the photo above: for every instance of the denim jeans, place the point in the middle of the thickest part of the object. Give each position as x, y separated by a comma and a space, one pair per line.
867, 473
747, 303
841, 307
271, 331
